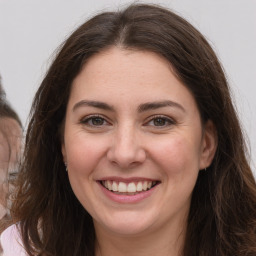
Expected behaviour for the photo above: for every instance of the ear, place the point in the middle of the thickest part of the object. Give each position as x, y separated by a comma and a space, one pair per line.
63, 151
61, 137
209, 144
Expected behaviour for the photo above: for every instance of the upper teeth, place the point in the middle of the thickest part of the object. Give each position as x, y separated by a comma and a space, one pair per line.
128, 187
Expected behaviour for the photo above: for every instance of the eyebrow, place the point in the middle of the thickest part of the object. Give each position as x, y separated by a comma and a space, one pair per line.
95, 104
159, 104
142, 108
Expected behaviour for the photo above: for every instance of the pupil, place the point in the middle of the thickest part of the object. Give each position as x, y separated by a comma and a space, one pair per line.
97, 121
159, 122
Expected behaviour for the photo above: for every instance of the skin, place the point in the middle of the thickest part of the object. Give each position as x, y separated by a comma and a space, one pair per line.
166, 143
10, 143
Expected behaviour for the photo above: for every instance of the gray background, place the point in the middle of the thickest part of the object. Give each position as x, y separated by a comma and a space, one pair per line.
31, 30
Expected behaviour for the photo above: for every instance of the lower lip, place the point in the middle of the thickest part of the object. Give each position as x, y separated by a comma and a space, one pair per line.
128, 198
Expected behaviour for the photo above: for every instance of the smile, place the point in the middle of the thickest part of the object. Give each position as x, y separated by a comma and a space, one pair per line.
130, 188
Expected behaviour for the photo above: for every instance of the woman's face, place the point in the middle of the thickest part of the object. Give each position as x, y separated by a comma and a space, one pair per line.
10, 145
133, 142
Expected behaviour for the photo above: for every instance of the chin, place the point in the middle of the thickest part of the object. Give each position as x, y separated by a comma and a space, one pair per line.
127, 224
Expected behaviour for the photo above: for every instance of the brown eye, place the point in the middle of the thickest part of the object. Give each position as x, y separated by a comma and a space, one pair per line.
160, 121
97, 121
94, 121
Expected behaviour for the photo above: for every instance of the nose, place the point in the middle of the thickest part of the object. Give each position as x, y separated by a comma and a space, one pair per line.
126, 149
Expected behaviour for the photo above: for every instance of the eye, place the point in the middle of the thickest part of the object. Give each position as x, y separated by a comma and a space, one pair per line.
94, 121
13, 176
160, 121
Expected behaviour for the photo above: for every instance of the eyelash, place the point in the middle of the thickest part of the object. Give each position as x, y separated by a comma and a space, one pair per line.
167, 120
89, 119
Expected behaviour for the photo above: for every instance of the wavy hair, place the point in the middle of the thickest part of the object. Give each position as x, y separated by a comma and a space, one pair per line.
222, 218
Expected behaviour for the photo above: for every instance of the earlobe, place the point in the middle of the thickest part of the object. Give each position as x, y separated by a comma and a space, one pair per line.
209, 144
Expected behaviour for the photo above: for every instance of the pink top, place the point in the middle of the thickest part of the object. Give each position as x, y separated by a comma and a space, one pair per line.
11, 242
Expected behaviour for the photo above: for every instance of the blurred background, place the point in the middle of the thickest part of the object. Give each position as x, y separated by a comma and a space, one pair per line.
32, 30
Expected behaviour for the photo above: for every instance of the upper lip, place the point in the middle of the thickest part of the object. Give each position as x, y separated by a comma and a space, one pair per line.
127, 180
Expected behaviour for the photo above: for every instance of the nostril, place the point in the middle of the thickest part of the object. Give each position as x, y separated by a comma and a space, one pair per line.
126, 158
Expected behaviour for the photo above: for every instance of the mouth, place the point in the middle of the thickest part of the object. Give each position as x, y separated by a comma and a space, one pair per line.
128, 188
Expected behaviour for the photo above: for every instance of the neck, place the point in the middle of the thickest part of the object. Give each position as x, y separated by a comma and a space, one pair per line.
165, 241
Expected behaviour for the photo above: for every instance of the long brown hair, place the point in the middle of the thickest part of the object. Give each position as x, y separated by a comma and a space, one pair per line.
222, 218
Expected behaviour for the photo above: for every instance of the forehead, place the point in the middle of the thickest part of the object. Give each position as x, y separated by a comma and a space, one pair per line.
10, 127
130, 72
10, 139
124, 63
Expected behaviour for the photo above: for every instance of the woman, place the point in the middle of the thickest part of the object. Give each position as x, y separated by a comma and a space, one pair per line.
134, 146
10, 145
10, 138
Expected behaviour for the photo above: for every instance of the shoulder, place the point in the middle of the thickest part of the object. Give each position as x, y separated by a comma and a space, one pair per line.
11, 242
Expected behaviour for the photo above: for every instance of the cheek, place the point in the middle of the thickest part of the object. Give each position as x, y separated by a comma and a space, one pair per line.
4, 153
180, 166
178, 156
82, 159
83, 153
